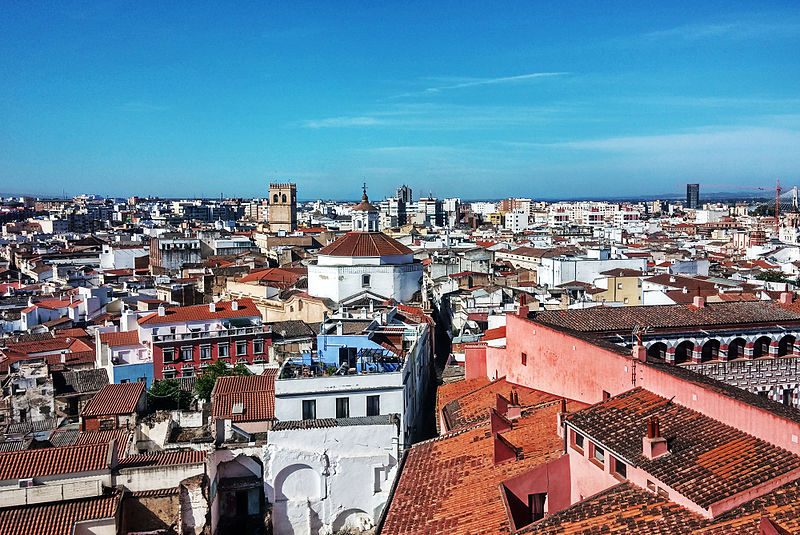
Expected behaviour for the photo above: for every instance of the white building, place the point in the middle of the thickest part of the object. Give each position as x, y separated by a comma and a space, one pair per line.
365, 262
330, 477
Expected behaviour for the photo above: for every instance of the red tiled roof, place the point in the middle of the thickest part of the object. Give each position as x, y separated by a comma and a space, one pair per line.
51, 461
103, 437
53, 304
708, 461
277, 276
494, 334
451, 486
223, 310
114, 399
255, 392
125, 338
162, 459
56, 518
365, 244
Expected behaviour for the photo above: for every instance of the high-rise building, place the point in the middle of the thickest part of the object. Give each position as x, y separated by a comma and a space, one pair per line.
404, 194
693, 196
283, 207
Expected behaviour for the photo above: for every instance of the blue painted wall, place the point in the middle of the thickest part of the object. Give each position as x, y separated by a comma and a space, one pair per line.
132, 372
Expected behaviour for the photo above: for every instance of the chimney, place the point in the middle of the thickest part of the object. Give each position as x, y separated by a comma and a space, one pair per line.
212, 307
161, 311
786, 298
640, 353
63, 357
562, 414
698, 301
339, 328
523, 309
234, 305
653, 444
514, 409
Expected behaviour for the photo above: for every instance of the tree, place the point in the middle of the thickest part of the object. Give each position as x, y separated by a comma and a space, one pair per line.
205, 383
167, 395
771, 276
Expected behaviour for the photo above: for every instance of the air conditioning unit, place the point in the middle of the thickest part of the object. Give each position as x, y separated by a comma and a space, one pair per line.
27, 482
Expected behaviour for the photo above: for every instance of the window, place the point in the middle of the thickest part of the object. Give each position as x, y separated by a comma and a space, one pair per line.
343, 407
258, 346
787, 396
524, 359
373, 405
205, 352
187, 353
241, 347
619, 286
365, 281
577, 441
309, 409
599, 454
169, 354
222, 350
188, 371
124, 381
625, 301
170, 373
620, 468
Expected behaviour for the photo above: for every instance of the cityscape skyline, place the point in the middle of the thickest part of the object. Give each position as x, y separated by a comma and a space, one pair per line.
177, 102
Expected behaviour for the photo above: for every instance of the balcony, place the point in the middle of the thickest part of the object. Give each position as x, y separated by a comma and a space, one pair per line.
211, 335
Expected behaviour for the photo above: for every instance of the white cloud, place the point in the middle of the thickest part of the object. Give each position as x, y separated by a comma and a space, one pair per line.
733, 30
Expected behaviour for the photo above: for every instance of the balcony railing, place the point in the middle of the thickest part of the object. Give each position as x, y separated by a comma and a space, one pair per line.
212, 334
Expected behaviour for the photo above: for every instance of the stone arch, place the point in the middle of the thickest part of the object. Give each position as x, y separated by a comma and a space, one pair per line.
684, 352
297, 481
786, 345
275, 198
736, 348
710, 350
657, 351
761, 347
352, 520
283, 198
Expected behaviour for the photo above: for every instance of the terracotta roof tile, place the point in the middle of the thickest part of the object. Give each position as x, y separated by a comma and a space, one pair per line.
365, 244
223, 310
45, 462
256, 393
162, 459
125, 338
707, 462
56, 518
114, 399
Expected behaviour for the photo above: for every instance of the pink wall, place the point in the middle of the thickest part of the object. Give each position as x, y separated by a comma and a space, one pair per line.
552, 478
562, 365
475, 360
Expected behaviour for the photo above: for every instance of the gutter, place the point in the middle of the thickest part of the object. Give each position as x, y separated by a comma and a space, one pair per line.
391, 492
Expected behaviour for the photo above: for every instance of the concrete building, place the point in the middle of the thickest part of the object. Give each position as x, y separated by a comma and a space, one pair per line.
172, 254
693, 196
283, 207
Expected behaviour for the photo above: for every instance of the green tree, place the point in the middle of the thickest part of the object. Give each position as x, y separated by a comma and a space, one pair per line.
771, 276
167, 395
205, 383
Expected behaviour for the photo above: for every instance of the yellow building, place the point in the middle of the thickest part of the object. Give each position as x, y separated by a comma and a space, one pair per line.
620, 286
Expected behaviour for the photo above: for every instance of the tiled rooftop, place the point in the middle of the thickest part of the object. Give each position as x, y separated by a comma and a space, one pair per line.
114, 399
256, 393
600, 319
365, 244
707, 460
162, 459
622, 509
450, 485
56, 518
45, 462
223, 310
125, 338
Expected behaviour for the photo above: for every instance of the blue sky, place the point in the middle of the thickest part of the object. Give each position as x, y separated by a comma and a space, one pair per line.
470, 99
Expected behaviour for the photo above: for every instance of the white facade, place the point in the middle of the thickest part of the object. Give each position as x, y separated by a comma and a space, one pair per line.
555, 271
121, 257
338, 282
332, 479
516, 220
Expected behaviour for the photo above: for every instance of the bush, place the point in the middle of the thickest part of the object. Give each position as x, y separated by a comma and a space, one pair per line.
205, 383
167, 395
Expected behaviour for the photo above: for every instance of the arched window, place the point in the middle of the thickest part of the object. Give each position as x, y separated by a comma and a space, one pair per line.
275, 198
736, 349
710, 351
684, 352
786, 345
761, 347
657, 351
283, 198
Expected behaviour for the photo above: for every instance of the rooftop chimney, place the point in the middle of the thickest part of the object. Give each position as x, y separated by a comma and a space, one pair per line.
234, 305
161, 310
523, 309
339, 328
653, 444
698, 301
514, 409
786, 298
640, 353
212, 307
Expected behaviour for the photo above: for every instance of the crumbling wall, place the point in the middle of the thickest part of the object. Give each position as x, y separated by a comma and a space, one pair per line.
195, 511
